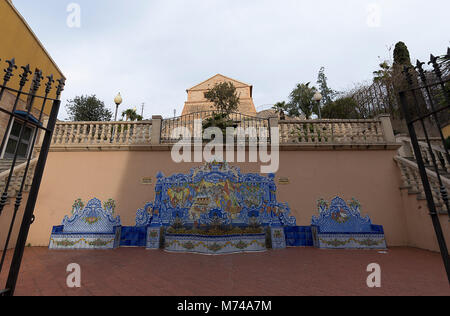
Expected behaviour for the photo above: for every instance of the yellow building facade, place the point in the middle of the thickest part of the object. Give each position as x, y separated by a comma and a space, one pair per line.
18, 41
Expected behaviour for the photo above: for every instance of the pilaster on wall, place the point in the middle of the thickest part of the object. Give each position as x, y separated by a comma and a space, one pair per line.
156, 129
386, 125
273, 121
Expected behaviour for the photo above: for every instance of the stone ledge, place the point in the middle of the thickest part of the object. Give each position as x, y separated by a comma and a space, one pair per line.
343, 146
283, 147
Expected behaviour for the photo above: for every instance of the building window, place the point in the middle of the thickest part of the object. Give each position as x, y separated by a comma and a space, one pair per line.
13, 140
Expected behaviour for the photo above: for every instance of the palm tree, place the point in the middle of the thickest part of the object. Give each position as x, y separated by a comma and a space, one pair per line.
131, 115
281, 108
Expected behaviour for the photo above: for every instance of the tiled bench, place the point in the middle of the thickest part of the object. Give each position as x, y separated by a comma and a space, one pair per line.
92, 227
340, 226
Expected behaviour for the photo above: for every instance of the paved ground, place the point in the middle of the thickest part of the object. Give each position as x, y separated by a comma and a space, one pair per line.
295, 271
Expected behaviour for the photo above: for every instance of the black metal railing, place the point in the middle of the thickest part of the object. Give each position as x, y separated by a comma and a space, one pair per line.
195, 124
426, 104
33, 112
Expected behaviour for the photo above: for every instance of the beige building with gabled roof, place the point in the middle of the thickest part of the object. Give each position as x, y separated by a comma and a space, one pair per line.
196, 101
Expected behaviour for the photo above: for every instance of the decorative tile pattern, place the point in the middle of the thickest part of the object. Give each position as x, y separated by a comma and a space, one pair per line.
153, 237
278, 238
340, 225
92, 227
133, 236
299, 236
215, 245
92, 219
83, 241
359, 241
215, 189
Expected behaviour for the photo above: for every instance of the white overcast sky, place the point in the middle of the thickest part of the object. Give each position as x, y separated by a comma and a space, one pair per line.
152, 51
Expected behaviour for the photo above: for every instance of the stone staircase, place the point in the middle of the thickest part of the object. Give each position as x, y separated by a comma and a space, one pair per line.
18, 173
410, 171
5, 164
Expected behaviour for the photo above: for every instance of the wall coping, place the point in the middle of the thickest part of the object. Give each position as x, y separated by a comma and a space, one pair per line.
282, 147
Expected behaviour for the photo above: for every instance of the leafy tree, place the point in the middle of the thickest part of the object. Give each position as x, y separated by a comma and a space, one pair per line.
224, 97
342, 108
327, 93
384, 73
87, 108
385, 80
226, 101
131, 115
301, 101
281, 108
220, 120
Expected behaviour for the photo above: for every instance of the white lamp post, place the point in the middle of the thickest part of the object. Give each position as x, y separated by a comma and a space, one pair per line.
318, 97
118, 101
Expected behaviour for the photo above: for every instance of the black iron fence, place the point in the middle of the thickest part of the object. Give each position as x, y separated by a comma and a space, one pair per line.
381, 95
426, 104
24, 114
196, 123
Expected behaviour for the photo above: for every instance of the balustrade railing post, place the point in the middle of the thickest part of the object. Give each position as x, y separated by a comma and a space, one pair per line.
273, 123
156, 129
386, 126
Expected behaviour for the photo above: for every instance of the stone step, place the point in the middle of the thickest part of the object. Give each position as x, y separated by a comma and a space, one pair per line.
5, 164
442, 173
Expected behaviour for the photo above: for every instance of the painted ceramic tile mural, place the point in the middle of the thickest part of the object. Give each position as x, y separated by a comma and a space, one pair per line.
340, 225
90, 227
215, 187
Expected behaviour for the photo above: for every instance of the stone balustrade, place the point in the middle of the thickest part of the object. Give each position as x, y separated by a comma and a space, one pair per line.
436, 150
318, 132
334, 132
412, 181
68, 134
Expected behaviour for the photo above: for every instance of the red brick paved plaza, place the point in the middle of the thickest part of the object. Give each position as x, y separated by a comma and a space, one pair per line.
294, 271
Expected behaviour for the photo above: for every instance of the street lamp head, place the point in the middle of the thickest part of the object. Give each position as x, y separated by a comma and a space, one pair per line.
118, 99
317, 97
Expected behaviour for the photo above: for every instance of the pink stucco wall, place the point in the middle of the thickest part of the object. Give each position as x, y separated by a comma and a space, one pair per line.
419, 226
371, 176
6, 219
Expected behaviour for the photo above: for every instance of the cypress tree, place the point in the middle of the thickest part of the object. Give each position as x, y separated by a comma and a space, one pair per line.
401, 55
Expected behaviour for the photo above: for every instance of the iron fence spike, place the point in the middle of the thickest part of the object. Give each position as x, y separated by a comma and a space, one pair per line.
60, 88
48, 85
9, 71
419, 64
36, 83
24, 75
437, 68
419, 67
